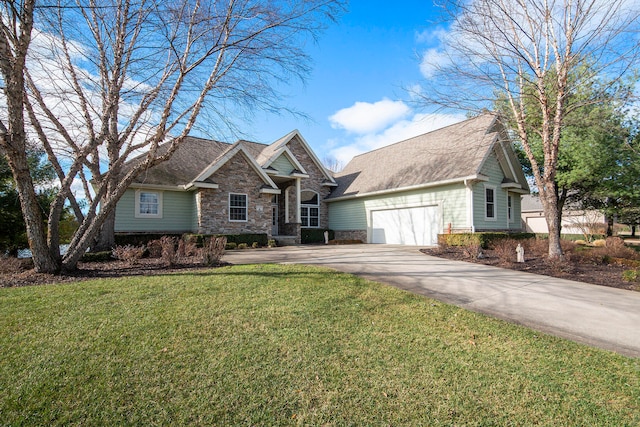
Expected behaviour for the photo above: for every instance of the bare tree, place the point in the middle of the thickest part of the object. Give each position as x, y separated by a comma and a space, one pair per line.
535, 53
108, 80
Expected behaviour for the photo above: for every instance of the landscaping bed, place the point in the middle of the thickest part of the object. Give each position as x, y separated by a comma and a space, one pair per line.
603, 265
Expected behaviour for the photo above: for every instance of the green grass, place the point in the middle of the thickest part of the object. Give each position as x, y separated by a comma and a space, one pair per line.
289, 345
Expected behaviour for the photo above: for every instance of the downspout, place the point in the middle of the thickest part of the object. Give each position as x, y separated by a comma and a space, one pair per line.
469, 187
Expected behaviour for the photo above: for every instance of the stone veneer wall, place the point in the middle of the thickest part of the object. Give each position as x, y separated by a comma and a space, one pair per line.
314, 182
236, 176
351, 235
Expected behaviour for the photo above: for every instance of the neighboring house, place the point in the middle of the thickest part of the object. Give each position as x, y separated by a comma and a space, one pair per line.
464, 177
211, 187
574, 220
461, 178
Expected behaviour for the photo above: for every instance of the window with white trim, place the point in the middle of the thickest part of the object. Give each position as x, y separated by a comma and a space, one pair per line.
238, 207
148, 204
490, 203
510, 208
309, 209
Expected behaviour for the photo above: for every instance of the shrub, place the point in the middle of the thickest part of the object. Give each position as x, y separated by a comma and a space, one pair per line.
169, 253
616, 248
243, 246
485, 239
600, 243
631, 275
231, 245
10, 264
505, 250
129, 253
254, 245
536, 247
138, 239
103, 256
187, 249
473, 250
213, 251
581, 242
154, 248
314, 235
271, 243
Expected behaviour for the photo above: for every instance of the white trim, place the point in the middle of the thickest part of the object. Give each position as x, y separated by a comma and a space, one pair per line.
494, 202
477, 177
246, 207
310, 206
159, 187
298, 201
286, 205
288, 137
138, 214
292, 159
469, 191
270, 191
238, 148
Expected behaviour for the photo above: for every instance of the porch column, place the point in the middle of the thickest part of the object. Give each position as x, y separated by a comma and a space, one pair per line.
298, 219
286, 205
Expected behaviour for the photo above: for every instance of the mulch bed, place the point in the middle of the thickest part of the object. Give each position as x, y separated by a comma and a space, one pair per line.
93, 270
587, 272
581, 270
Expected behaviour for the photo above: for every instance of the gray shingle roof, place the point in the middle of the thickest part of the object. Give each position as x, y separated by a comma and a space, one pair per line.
188, 161
453, 152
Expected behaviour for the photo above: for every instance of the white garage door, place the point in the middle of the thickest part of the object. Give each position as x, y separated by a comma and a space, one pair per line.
409, 226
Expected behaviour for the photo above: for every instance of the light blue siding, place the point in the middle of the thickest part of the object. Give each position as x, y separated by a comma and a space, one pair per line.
177, 213
283, 165
347, 215
352, 214
493, 170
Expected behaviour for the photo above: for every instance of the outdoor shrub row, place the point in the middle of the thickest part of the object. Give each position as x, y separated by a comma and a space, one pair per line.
198, 239
314, 235
248, 239
483, 239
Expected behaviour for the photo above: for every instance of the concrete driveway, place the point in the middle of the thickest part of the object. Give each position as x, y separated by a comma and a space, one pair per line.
595, 315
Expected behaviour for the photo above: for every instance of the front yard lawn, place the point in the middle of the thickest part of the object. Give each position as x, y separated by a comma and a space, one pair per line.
288, 345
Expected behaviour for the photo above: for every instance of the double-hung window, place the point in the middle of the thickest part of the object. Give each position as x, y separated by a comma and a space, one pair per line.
148, 204
237, 207
510, 208
490, 203
309, 209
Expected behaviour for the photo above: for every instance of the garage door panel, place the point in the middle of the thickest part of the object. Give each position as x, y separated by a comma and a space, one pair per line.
408, 226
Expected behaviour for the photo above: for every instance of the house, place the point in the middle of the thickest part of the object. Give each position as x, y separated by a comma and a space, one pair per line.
211, 187
574, 219
461, 178
464, 177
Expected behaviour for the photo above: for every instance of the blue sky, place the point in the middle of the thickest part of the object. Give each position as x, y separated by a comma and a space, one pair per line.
356, 95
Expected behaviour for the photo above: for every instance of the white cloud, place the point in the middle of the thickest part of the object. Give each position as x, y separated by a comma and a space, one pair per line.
398, 130
432, 60
365, 117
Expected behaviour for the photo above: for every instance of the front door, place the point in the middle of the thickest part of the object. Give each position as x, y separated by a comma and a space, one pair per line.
274, 220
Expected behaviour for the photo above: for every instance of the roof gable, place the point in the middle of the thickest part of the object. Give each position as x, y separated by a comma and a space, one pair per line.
277, 148
236, 149
450, 154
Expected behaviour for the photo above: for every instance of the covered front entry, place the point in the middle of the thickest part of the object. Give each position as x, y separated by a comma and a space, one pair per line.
407, 226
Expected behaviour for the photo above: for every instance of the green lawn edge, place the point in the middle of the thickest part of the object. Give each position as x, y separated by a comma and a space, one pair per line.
289, 345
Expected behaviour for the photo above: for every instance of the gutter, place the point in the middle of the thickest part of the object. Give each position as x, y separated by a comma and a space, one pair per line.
476, 177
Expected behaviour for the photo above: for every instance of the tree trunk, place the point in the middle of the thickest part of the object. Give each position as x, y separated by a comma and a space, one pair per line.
633, 231
43, 259
106, 238
609, 225
550, 203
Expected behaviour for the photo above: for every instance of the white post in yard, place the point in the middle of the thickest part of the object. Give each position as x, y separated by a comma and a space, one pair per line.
520, 253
